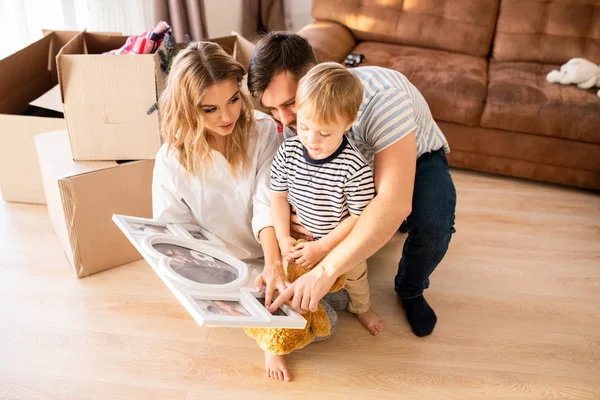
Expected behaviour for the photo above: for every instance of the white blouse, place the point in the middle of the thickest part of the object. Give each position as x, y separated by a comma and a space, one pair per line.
235, 210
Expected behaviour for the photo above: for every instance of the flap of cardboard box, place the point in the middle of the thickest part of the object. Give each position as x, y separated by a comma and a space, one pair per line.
238, 46
50, 100
243, 50
86, 43
93, 43
226, 42
30, 72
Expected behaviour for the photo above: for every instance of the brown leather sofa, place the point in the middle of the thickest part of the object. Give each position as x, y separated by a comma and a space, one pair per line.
482, 65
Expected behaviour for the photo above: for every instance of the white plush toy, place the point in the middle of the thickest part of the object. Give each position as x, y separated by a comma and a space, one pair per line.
585, 74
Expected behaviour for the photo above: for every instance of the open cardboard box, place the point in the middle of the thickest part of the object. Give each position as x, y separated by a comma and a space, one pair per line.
83, 196
106, 98
25, 76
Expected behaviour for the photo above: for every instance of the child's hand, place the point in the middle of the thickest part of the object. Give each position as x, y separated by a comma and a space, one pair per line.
308, 254
287, 246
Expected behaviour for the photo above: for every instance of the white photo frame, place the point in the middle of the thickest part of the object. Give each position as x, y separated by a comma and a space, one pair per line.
242, 309
290, 317
144, 226
198, 298
196, 265
230, 310
196, 232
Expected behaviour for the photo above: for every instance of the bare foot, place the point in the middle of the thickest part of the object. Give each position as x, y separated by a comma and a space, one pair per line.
276, 368
371, 321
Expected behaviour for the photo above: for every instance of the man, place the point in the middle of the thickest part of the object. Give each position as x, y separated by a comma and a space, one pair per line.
395, 132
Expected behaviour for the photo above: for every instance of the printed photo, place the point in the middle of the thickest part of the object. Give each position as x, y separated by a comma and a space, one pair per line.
225, 308
197, 235
197, 266
194, 231
141, 228
279, 311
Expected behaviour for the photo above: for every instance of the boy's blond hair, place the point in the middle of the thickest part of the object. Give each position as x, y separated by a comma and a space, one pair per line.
329, 93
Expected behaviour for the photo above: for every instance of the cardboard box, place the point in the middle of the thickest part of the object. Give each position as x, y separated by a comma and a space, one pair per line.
25, 76
106, 98
83, 196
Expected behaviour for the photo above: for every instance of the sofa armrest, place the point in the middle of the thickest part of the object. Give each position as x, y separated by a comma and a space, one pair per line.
330, 41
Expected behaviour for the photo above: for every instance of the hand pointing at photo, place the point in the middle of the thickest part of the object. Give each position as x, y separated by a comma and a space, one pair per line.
306, 291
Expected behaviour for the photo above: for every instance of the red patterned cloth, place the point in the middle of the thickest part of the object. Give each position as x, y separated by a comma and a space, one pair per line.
146, 43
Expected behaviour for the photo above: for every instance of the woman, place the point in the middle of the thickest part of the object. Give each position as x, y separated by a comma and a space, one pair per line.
214, 166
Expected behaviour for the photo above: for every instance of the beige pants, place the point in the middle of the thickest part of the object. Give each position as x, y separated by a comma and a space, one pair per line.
357, 286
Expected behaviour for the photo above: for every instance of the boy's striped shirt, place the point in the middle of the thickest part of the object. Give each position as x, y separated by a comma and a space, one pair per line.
324, 192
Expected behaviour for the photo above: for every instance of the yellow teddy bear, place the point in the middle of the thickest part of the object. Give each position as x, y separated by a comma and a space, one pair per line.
280, 341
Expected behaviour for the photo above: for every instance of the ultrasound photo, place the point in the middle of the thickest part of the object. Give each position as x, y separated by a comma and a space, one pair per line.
197, 266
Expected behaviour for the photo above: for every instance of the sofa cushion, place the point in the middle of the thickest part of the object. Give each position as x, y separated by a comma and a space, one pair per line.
519, 99
464, 26
549, 31
454, 85
330, 41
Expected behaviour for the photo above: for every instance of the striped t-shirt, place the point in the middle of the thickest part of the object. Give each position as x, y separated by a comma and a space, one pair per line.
326, 191
391, 108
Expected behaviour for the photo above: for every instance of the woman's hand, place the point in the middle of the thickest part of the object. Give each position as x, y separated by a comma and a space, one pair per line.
308, 254
273, 277
287, 246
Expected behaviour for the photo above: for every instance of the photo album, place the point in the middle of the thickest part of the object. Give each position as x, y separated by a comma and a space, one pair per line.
213, 285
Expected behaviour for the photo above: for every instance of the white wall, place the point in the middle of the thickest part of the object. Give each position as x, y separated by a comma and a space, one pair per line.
297, 14
130, 17
23, 20
223, 16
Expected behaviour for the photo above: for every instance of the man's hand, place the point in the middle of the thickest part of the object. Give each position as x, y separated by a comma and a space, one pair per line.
287, 246
273, 277
299, 231
306, 291
308, 254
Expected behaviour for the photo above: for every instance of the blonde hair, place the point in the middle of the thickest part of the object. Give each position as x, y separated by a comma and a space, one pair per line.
194, 70
328, 93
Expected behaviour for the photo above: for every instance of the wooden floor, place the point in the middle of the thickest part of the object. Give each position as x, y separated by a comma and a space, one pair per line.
517, 297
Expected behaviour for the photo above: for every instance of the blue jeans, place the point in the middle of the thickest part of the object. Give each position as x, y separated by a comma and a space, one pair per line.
430, 225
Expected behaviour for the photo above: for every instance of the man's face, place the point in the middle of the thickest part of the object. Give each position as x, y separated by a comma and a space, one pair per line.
279, 98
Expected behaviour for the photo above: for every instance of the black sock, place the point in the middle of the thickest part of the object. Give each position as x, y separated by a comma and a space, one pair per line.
420, 316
